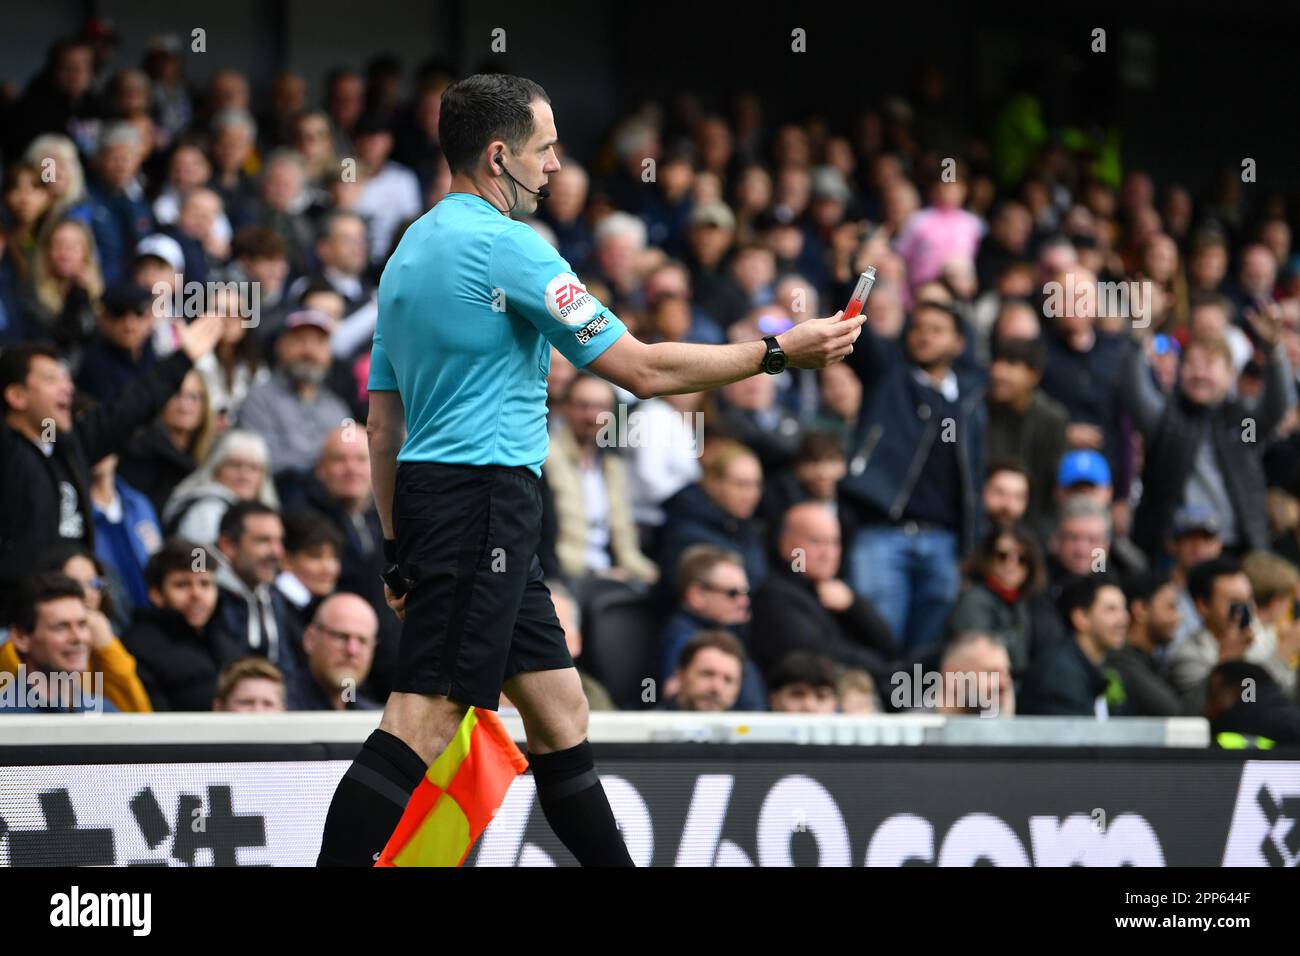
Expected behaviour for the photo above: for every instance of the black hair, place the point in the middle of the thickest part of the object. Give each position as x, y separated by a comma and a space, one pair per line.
16, 364
39, 589
308, 531
803, 667
1201, 578
176, 554
484, 107
1143, 587
232, 522
1030, 352
1081, 592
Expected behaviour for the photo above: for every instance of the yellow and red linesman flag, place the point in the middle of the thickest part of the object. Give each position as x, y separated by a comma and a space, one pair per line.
460, 792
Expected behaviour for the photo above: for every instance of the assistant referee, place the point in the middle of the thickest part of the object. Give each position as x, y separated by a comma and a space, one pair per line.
469, 306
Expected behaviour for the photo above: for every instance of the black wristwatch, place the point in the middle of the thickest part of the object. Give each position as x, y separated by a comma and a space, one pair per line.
392, 574
774, 362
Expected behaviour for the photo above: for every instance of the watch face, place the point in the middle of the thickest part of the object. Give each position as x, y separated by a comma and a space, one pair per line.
776, 363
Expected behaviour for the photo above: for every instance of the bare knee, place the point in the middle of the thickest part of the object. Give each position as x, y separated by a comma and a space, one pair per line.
554, 712
424, 723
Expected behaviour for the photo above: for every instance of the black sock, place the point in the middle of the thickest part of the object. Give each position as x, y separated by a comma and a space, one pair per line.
576, 808
369, 801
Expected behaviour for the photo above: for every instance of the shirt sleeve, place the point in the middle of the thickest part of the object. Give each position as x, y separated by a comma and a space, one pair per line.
382, 377
539, 286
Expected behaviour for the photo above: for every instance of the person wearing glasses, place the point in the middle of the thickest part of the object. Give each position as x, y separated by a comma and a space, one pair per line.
1004, 577
340, 646
713, 595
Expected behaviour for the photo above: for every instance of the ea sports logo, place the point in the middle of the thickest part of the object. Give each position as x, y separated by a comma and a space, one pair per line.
568, 300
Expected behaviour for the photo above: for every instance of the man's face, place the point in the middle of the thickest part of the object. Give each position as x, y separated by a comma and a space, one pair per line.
231, 146
1208, 266
340, 644
257, 555
344, 467
1079, 541
46, 395
1006, 497
932, 339
200, 213
722, 596
587, 410
813, 534
820, 478
1205, 375
318, 568
128, 331
535, 161
1163, 615
60, 642
75, 70
1258, 271
1107, 620
711, 682
802, 698
1011, 383
192, 594
345, 246
255, 695
1228, 589
304, 353
119, 163
1194, 547
739, 488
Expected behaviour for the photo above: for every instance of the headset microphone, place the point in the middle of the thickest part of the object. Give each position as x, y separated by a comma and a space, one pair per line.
542, 193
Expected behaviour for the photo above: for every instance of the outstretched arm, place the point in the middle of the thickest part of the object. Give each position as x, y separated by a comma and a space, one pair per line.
671, 368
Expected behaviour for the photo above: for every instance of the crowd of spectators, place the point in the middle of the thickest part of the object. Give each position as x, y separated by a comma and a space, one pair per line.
1063, 458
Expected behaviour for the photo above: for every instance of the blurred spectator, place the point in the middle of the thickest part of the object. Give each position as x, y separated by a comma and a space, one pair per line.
234, 138
1080, 543
120, 215
250, 685
258, 255
122, 350
294, 410
1274, 582
570, 617
748, 411
1023, 422
341, 255
1193, 538
287, 205
126, 528
162, 454
1005, 495
390, 193
65, 288
912, 487
1229, 632
712, 595
660, 469
252, 616
1247, 710
977, 681
814, 475
1083, 363
803, 606
311, 565
719, 510
1203, 447
1073, 679
841, 399
1153, 622
596, 531
50, 638
235, 366
47, 455
237, 469
339, 490
339, 644
857, 693
708, 673
61, 98
61, 171
563, 213
941, 232
803, 683
171, 637
1005, 575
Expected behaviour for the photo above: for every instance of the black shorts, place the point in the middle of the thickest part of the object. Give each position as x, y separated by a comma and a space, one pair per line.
478, 611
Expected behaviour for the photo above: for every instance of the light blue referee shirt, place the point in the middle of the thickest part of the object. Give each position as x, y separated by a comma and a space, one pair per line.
469, 306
